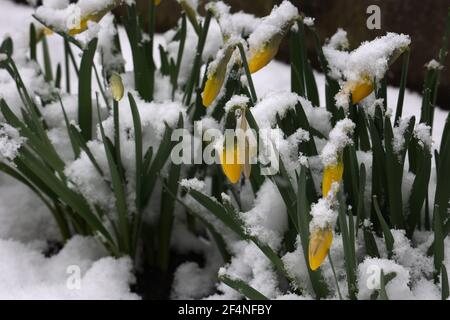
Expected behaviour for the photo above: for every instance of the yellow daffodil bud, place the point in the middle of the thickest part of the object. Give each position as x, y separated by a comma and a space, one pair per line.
216, 76
156, 2
212, 88
84, 21
331, 173
265, 39
259, 58
229, 162
358, 89
116, 86
319, 244
361, 90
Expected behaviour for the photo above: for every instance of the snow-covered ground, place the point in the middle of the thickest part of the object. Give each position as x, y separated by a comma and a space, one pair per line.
26, 224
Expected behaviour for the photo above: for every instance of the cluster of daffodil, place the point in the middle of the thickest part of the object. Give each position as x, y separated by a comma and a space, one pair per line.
258, 57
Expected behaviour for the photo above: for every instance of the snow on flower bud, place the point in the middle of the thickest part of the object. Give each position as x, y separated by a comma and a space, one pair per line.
261, 57
266, 38
230, 164
116, 86
216, 75
331, 174
319, 245
359, 89
93, 15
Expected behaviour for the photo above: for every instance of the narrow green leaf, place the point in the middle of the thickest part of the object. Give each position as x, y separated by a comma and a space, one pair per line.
444, 283
85, 89
388, 237
243, 288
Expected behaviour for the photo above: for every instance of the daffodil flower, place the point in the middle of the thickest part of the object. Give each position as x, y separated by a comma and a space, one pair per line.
230, 164
331, 174
216, 76
84, 21
266, 38
260, 57
359, 89
319, 245
116, 86
95, 16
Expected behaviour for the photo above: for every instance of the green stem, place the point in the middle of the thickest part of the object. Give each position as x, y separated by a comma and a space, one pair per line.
335, 277
193, 80
247, 73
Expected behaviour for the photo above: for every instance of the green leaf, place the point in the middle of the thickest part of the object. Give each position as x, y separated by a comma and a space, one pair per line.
32, 42
438, 246
383, 282
48, 73
72, 199
243, 288
163, 153
7, 47
388, 237
420, 188
444, 283
119, 192
349, 247
85, 89
219, 211
393, 178
401, 93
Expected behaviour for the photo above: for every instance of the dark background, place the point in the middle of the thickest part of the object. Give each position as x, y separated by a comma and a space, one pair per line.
423, 20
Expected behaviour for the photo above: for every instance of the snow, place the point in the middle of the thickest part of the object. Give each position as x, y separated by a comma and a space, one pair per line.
422, 132
237, 101
275, 23
398, 142
10, 142
251, 265
268, 219
339, 138
323, 214
79, 271
369, 273
309, 21
433, 64
193, 183
371, 58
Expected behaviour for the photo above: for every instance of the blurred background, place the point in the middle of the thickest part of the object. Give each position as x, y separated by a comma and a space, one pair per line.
424, 21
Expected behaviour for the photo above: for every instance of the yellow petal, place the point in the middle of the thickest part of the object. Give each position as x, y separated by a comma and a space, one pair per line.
94, 17
116, 85
361, 89
232, 169
319, 244
331, 174
212, 89
262, 57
